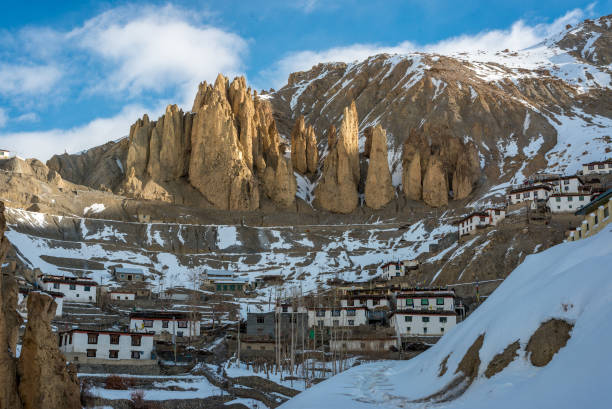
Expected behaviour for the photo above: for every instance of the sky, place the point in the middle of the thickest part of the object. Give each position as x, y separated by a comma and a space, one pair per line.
76, 74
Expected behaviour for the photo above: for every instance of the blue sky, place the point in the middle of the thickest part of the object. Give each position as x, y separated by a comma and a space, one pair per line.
75, 74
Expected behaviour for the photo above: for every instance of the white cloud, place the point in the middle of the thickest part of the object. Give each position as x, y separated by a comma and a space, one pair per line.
27, 117
44, 144
18, 80
3, 118
520, 35
160, 48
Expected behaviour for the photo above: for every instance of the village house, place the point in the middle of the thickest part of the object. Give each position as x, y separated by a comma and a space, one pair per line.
363, 344
422, 323
233, 285
128, 274
602, 167
567, 202
73, 288
88, 346
179, 323
566, 184
337, 317
122, 295
22, 300
366, 300
597, 216
4, 154
529, 193
432, 300
257, 346
210, 276
393, 269
265, 323
481, 219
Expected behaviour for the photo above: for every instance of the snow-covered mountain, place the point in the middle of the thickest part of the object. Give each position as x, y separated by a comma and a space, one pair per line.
541, 340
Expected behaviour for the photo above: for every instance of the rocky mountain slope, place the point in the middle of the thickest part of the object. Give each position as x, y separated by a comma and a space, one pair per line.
515, 350
458, 126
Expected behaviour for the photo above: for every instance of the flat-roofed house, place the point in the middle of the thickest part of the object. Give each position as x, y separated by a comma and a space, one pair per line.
128, 274
423, 312
74, 288
596, 216
337, 316
567, 202
601, 167
89, 346
4, 154
529, 193
181, 323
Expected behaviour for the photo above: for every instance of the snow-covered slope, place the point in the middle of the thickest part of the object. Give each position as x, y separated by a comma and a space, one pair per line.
571, 282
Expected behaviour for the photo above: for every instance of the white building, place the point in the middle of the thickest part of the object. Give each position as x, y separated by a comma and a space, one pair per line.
422, 323
22, 300
392, 269
566, 184
529, 193
4, 154
601, 168
365, 300
380, 344
481, 219
122, 295
128, 274
73, 288
337, 317
85, 346
181, 323
567, 202
430, 300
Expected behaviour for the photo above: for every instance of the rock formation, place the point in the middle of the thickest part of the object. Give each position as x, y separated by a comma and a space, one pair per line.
435, 186
44, 379
298, 146
312, 151
39, 379
411, 176
337, 188
304, 153
224, 151
378, 187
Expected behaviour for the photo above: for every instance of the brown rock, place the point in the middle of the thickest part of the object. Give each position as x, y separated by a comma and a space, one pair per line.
298, 146
411, 176
331, 136
337, 189
217, 167
312, 151
44, 380
368, 141
435, 185
9, 397
138, 151
547, 340
503, 359
378, 187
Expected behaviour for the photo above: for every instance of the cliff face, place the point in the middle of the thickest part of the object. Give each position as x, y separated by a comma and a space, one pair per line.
227, 150
455, 124
39, 379
378, 188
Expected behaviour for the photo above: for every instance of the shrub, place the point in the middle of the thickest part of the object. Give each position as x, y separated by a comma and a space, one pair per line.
116, 382
87, 396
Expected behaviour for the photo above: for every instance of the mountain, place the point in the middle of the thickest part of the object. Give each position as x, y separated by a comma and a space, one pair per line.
536, 342
458, 126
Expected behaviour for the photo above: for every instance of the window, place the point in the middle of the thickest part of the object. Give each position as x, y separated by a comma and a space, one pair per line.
362, 345
60, 340
182, 324
351, 313
569, 198
606, 213
285, 308
442, 319
439, 301
442, 329
596, 219
147, 323
73, 286
518, 195
320, 323
424, 301
92, 338
425, 319
320, 313
566, 182
219, 287
336, 323
55, 286
591, 167
350, 303
91, 353
375, 301
179, 333
409, 302
260, 320
136, 340
335, 313
113, 354
136, 354
558, 199
424, 330
351, 322
114, 339
600, 166
581, 198
408, 318
87, 288
70, 339
407, 329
